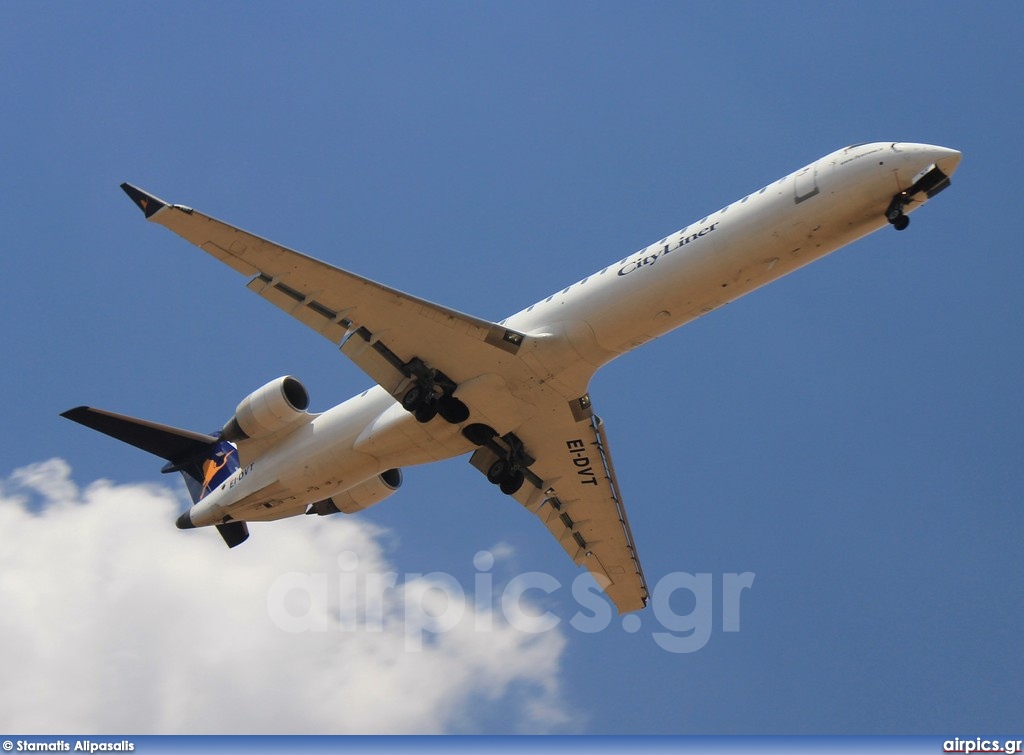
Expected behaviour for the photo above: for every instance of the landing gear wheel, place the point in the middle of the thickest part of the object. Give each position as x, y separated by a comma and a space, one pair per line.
894, 212
497, 472
426, 412
478, 433
413, 398
421, 401
507, 477
452, 410
512, 482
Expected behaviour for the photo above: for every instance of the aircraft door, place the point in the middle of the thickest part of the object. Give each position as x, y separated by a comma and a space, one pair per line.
805, 183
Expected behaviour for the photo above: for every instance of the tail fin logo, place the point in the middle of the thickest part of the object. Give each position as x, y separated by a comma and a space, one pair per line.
212, 468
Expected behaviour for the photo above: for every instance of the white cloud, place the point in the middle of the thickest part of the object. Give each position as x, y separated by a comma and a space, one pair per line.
113, 621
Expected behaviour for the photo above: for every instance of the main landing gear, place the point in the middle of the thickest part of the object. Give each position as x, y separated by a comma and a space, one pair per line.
506, 476
426, 399
508, 470
894, 214
431, 393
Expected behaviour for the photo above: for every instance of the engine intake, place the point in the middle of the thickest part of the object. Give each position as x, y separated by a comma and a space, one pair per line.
273, 407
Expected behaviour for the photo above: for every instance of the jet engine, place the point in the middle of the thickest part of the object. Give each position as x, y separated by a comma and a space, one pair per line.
266, 410
362, 496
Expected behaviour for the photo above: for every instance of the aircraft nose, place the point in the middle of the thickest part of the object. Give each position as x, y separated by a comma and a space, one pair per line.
944, 158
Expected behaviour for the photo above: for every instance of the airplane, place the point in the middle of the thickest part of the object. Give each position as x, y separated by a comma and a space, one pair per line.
513, 394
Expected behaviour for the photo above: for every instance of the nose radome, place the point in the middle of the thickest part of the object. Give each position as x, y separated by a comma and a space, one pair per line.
944, 158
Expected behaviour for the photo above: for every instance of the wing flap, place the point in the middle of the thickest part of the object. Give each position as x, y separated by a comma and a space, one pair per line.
378, 361
306, 309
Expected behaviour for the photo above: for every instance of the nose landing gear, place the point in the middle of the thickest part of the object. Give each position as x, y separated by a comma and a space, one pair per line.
929, 182
894, 214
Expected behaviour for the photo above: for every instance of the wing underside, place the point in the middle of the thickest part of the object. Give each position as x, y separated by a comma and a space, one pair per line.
381, 329
570, 482
572, 488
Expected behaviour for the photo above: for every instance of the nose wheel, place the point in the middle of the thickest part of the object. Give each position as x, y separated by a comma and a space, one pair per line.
894, 213
929, 182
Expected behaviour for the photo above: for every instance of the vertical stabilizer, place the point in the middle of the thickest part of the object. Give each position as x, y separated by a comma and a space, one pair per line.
203, 472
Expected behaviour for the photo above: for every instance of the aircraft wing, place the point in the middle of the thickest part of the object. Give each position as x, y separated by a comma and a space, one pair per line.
381, 329
571, 487
570, 483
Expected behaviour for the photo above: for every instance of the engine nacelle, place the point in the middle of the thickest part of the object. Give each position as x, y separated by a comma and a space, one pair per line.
362, 496
273, 407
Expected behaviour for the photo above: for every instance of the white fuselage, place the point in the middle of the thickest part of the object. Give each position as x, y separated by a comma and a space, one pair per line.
711, 262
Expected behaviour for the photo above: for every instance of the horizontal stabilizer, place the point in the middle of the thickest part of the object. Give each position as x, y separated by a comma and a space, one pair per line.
167, 442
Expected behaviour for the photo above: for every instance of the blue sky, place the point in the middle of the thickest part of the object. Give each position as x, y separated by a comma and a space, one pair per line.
851, 434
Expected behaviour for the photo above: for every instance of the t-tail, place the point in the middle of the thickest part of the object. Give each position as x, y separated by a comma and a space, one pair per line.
205, 461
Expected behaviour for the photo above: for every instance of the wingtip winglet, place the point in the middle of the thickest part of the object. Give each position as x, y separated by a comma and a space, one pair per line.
149, 204
74, 413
